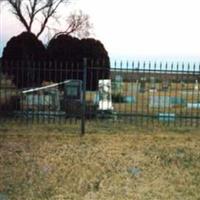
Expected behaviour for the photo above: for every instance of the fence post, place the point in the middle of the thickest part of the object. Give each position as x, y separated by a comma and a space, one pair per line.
0, 82
84, 96
0, 70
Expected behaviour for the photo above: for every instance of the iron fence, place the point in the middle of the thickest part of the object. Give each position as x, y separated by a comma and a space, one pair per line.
138, 93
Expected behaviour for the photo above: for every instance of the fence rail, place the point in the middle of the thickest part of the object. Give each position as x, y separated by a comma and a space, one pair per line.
135, 92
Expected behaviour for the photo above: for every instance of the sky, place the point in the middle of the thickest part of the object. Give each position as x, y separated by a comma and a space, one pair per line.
130, 29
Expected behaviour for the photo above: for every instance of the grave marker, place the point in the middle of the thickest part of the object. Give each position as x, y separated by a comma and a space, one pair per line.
166, 117
142, 84
133, 88
73, 97
159, 101
105, 101
117, 84
196, 86
193, 105
165, 101
152, 83
165, 85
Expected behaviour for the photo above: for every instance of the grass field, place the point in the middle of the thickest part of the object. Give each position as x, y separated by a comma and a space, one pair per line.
120, 163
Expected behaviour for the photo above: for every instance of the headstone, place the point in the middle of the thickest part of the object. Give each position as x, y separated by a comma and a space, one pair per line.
72, 90
142, 84
73, 97
165, 101
118, 78
41, 100
159, 101
117, 84
174, 101
183, 84
165, 85
129, 99
166, 116
152, 90
152, 83
196, 86
193, 105
187, 93
133, 88
105, 102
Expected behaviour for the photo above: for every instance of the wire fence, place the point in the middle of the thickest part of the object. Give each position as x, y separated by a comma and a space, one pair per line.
127, 92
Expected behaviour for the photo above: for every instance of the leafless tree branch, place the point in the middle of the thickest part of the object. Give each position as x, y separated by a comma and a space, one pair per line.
78, 24
26, 11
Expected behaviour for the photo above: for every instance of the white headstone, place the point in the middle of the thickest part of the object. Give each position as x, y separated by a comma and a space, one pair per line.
133, 88
196, 86
159, 101
105, 100
48, 100
193, 105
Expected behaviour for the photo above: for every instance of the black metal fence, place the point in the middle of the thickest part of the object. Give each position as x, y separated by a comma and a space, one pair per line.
125, 92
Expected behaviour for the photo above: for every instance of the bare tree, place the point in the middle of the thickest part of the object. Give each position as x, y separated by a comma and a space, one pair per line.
77, 24
29, 12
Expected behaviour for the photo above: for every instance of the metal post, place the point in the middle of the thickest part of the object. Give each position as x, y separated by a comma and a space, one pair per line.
0, 83
83, 97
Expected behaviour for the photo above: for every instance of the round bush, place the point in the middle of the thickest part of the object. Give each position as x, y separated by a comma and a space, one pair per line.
72, 51
21, 58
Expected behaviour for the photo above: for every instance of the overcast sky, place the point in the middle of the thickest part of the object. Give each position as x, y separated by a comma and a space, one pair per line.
136, 28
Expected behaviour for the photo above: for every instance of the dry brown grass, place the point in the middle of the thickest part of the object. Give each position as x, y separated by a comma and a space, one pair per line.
49, 162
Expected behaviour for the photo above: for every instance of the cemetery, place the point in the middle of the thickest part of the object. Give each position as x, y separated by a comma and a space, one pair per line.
145, 117
116, 96
142, 117
112, 97
82, 120
73, 78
